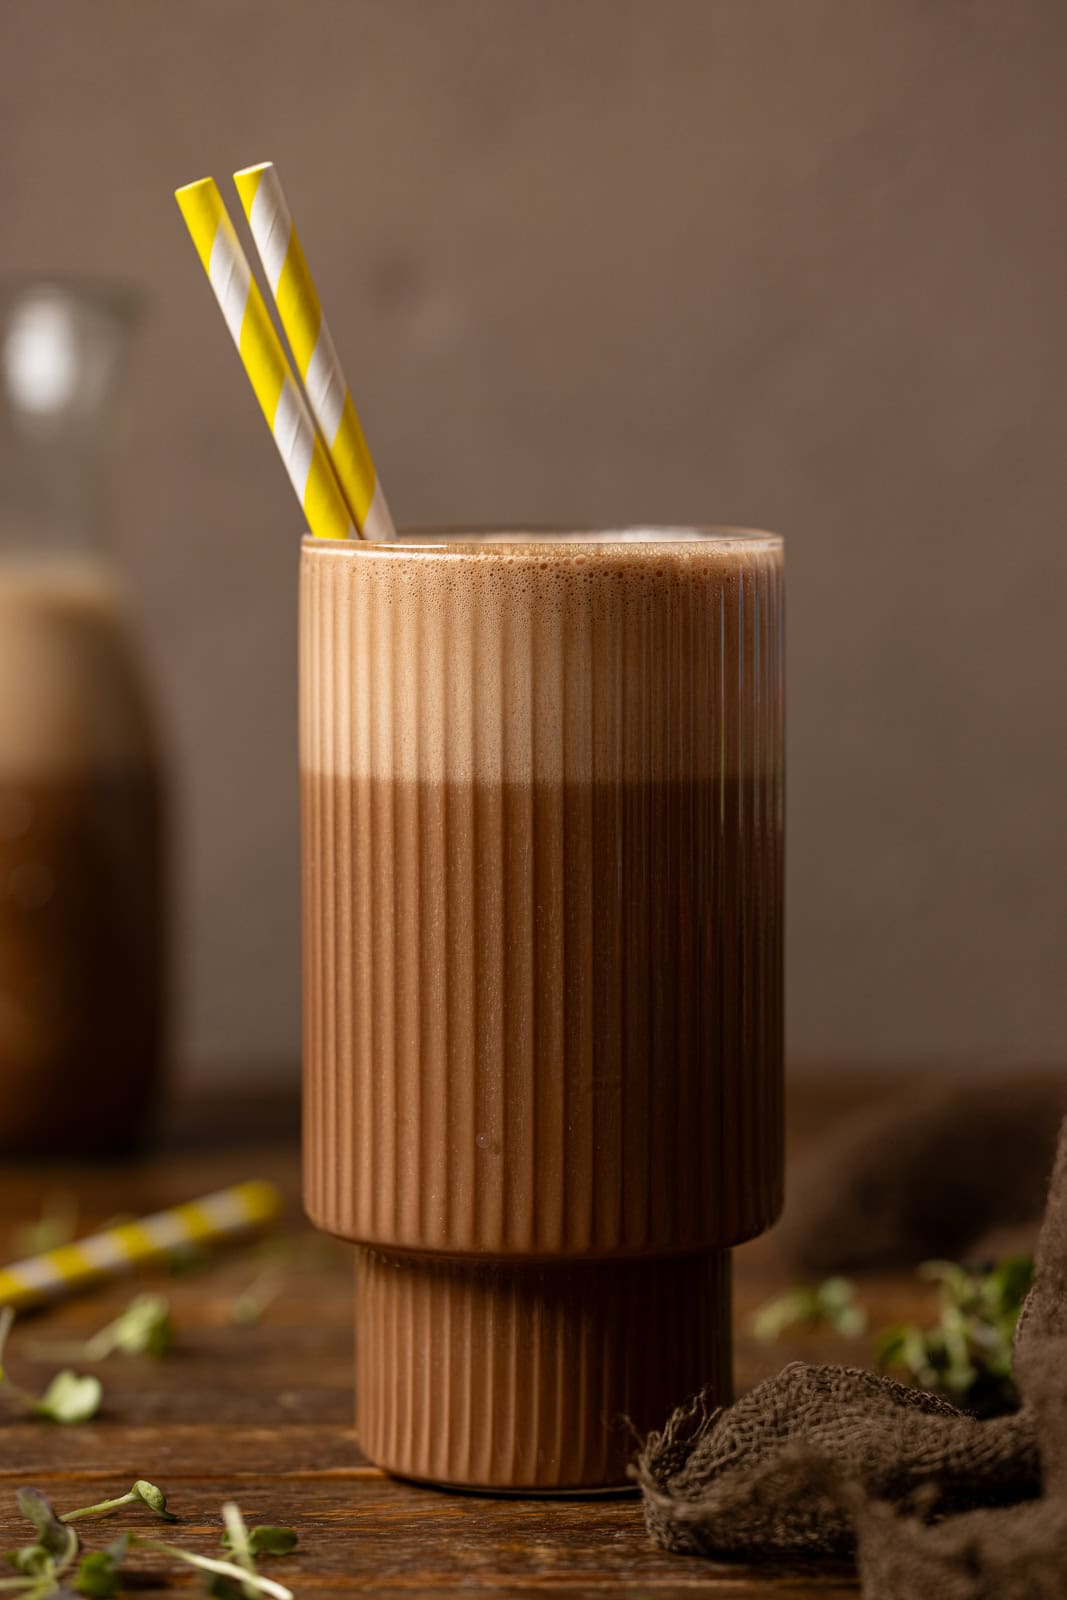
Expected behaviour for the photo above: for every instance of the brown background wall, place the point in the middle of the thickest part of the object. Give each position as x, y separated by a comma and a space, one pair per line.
797, 263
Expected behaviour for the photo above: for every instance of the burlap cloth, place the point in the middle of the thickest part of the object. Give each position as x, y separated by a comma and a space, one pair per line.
828, 1461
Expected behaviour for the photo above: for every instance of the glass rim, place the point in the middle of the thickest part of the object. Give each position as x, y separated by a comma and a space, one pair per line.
463, 539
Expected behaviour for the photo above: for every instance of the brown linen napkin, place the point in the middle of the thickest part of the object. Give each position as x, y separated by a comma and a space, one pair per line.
820, 1461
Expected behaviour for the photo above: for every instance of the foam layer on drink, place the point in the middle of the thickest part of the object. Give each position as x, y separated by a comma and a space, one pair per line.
542, 661
70, 696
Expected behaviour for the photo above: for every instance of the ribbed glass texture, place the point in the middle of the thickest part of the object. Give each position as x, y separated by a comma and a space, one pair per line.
532, 1375
542, 869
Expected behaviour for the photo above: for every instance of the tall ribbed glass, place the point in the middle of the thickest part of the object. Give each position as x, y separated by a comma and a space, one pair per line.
542, 869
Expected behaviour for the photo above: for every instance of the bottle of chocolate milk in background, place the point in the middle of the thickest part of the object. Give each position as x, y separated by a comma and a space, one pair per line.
542, 866
81, 868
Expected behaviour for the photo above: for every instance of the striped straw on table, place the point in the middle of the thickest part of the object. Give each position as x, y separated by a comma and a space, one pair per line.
317, 362
113, 1251
280, 397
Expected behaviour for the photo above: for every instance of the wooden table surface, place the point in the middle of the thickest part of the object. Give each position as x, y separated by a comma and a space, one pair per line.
263, 1413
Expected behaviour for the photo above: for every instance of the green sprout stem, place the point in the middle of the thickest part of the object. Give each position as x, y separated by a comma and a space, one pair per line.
240, 1544
43, 1564
31, 1588
101, 1508
249, 1306
68, 1398
143, 1327
226, 1569
140, 1492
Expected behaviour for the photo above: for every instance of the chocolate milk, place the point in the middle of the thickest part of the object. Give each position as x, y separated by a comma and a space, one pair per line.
81, 913
542, 865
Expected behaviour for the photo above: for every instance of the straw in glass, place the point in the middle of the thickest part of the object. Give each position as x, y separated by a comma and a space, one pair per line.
265, 362
300, 313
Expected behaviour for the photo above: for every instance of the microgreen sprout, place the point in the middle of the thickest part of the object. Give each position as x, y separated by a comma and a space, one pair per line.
44, 1567
236, 1538
267, 1541
968, 1352
41, 1565
99, 1574
144, 1328
53, 1537
831, 1303
243, 1581
248, 1307
140, 1492
68, 1397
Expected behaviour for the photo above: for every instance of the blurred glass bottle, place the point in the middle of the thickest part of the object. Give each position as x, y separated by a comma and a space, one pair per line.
82, 918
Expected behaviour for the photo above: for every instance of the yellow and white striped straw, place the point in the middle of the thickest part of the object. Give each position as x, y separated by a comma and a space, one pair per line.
117, 1250
265, 362
301, 316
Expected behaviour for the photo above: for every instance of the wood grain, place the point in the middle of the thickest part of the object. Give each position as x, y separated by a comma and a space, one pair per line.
263, 1414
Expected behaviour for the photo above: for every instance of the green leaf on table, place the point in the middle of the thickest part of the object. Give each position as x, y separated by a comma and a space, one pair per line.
267, 1541
55, 1541
830, 1304
153, 1498
70, 1398
31, 1559
241, 1578
248, 1307
839, 1308
795, 1308
968, 1352
223, 1588
99, 1574
1009, 1283
236, 1536
37, 1508
143, 1328
902, 1345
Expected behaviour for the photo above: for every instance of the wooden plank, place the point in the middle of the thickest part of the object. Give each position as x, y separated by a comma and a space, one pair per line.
263, 1413
33, 1452
361, 1531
